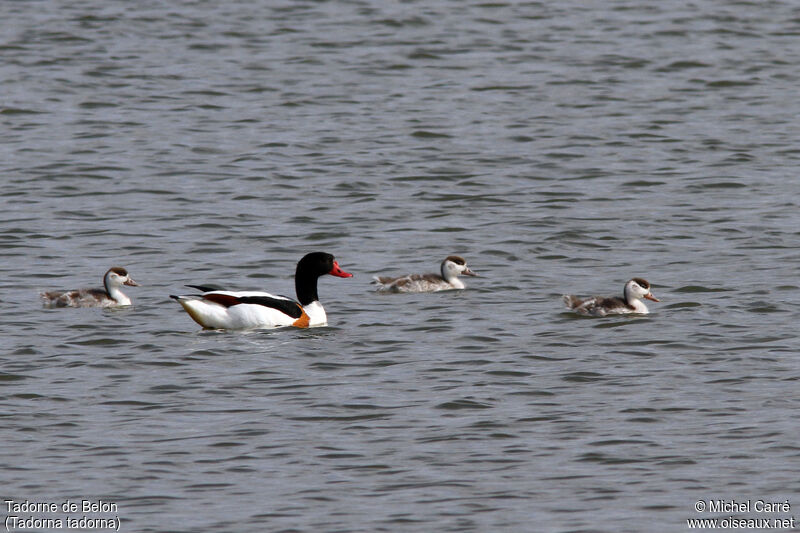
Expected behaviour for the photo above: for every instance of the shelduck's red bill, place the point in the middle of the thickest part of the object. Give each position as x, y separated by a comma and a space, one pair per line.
338, 272
131, 283
650, 296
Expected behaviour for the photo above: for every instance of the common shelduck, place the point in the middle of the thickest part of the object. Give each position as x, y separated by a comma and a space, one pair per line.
110, 295
452, 267
220, 309
631, 302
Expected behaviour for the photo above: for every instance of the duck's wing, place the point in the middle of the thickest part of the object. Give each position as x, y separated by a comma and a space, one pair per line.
603, 305
279, 303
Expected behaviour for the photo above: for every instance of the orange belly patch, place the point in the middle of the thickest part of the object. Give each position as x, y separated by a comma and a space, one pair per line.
303, 321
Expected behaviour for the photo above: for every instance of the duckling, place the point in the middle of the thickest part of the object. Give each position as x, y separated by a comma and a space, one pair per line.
452, 267
631, 302
110, 295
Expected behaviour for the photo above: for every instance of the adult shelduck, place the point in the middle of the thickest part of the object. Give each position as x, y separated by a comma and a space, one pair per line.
631, 302
110, 295
452, 267
220, 309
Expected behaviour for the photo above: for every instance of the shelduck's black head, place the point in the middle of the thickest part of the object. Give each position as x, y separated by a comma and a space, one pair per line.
311, 267
318, 264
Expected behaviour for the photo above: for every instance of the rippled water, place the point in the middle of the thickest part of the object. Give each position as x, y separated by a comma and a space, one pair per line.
560, 147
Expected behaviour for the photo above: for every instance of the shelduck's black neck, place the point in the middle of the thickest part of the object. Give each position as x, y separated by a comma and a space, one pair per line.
305, 285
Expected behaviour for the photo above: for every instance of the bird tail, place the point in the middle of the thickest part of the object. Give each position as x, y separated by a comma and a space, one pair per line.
571, 301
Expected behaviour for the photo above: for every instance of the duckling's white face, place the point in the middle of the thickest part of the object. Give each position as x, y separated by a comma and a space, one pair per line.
639, 288
117, 277
454, 266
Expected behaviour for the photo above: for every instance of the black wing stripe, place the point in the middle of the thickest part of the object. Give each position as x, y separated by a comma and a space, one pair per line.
290, 307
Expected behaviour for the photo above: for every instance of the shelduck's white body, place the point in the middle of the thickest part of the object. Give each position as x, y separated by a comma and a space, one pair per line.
212, 311
631, 302
451, 268
110, 295
220, 309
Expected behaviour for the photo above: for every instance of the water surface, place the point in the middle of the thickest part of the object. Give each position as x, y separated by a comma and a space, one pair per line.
559, 147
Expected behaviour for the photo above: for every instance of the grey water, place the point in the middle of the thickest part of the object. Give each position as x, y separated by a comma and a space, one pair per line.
560, 147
